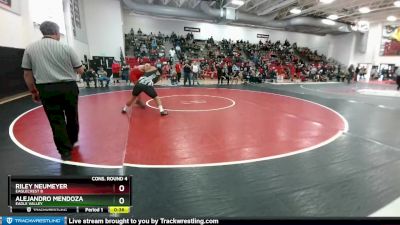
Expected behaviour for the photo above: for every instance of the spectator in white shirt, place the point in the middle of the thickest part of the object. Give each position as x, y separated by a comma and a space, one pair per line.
172, 53
178, 49
196, 71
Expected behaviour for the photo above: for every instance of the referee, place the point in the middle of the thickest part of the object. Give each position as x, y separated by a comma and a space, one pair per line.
50, 69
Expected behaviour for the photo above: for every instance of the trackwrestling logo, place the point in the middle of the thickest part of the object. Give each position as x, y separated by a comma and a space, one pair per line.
39, 220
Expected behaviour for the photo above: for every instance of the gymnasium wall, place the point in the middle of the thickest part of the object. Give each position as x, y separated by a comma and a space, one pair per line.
15, 33
104, 27
350, 49
15, 27
372, 53
341, 47
19, 28
152, 24
79, 42
11, 75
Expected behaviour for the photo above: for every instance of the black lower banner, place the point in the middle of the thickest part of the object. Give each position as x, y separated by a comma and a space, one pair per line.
113, 219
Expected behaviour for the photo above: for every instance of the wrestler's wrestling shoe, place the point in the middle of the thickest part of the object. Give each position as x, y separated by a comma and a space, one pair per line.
66, 156
164, 113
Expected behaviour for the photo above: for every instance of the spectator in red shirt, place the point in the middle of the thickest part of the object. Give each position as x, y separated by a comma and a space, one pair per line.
292, 71
178, 69
280, 70
116, 68
260, 70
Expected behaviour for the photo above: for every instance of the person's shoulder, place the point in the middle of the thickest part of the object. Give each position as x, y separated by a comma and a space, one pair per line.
64, 46
33, 45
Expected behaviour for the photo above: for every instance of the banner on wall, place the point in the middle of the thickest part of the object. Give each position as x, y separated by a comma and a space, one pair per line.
10, 5
191, 29
75, 16
5, 3
263, 36
78, 25
390, 44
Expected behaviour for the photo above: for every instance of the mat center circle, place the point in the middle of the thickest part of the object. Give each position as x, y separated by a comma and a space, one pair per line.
194, 103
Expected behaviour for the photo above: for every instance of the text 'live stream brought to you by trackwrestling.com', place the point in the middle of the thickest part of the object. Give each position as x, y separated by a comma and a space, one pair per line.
56, 220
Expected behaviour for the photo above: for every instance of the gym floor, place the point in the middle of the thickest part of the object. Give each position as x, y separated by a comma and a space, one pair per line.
239, 151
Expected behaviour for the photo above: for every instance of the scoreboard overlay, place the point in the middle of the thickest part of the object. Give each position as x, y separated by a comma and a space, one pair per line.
93, 194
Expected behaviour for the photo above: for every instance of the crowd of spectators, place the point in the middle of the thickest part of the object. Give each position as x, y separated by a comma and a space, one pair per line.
177, 56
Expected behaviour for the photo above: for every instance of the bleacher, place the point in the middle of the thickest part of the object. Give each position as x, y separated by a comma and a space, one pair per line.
269, 60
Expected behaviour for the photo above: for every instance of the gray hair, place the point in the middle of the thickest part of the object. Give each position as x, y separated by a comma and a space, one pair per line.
49, 28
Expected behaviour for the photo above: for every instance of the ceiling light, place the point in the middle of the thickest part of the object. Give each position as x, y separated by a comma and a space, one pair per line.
295, 11
396, 3
238, 2
391, 18
364, 10
326, 1
328, 22
333, 17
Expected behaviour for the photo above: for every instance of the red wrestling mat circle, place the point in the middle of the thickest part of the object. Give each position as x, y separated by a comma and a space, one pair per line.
234, 126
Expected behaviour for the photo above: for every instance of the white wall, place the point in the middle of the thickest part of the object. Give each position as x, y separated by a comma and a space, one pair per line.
15, 29
151, 24
345, 48
104, 27
341, 47
42, 10
18, 30
104, 30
